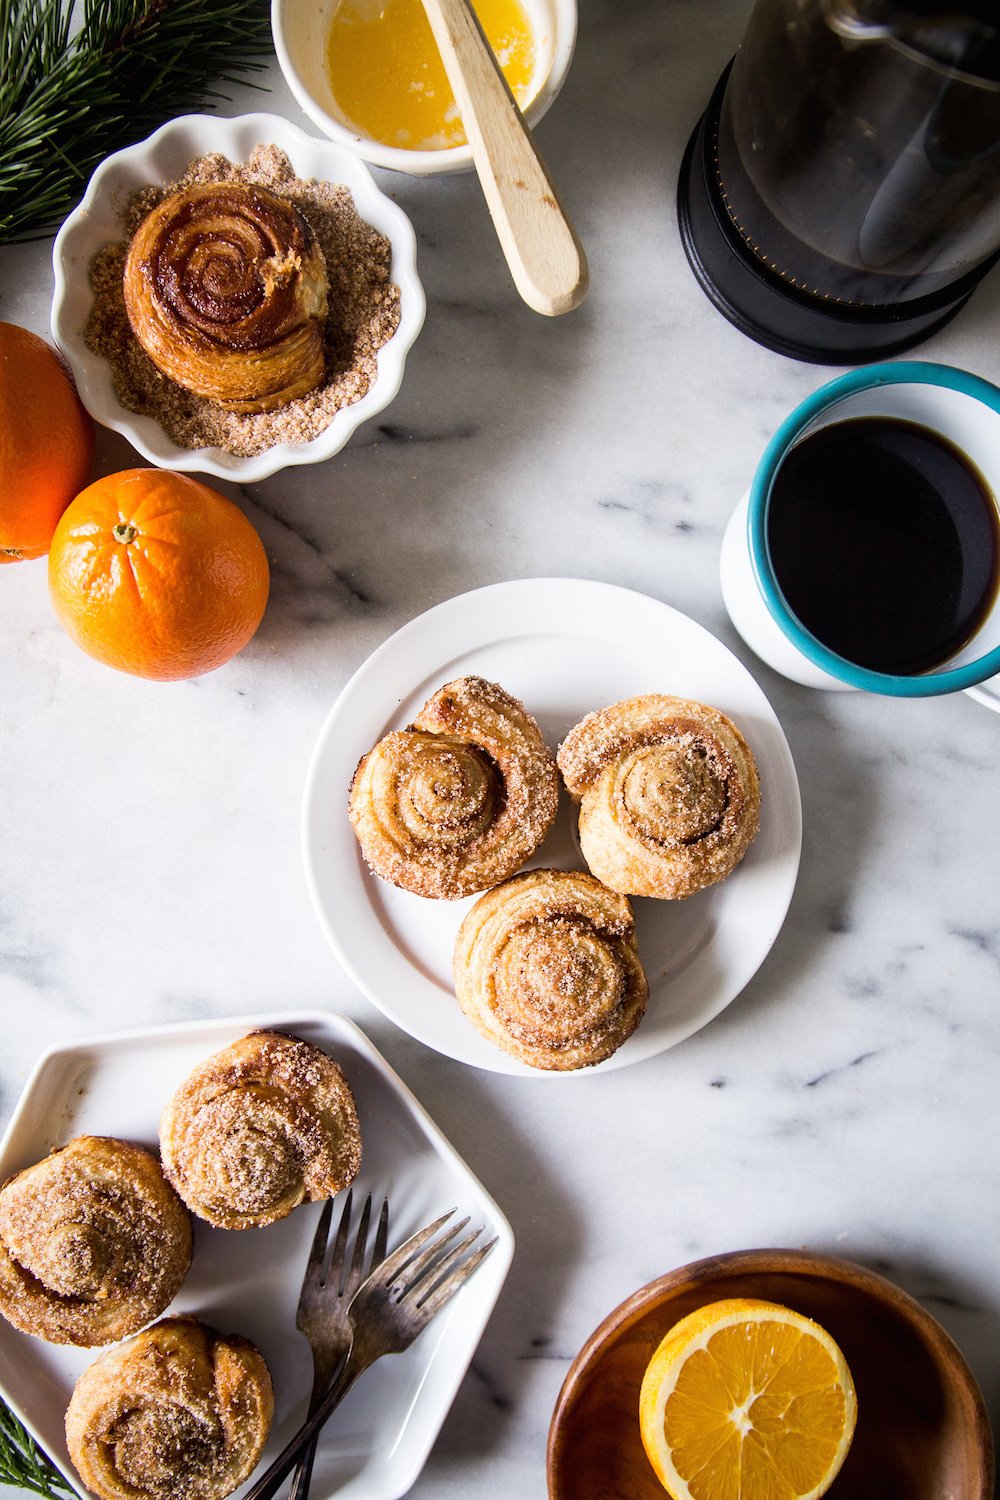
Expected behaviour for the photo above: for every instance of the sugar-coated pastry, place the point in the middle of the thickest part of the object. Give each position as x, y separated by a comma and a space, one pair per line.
668, 791
179, 1412
546, 966
94, 1242
459, 800
226, 290
260, 1127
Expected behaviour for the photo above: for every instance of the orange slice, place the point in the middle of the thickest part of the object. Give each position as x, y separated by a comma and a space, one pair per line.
746, 1400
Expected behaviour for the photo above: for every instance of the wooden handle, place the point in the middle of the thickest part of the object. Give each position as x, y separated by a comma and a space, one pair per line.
545, 257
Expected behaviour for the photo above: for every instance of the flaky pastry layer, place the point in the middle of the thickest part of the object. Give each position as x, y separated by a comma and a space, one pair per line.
177, 1413
459, 800
546, 967
226, 288
260, 1127
668, 793
94, 1242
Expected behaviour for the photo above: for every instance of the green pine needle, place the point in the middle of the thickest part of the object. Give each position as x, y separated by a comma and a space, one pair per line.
23, 1463
75, 87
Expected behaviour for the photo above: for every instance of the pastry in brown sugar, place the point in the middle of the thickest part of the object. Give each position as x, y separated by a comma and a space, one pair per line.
226, 290
260, 1127
94, 1242
177, 1413
546, 966
668, 793
459, 800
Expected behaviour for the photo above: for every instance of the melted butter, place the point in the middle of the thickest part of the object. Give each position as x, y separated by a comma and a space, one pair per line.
388, 78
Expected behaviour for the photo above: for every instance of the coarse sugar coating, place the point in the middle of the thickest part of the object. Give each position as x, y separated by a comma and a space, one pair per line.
93, 1243
668, 793
460, 799
363, 314
546, 966
258, 1128
180, 1412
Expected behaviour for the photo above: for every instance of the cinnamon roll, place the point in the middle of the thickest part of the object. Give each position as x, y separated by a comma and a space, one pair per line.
94, 1242
460, 799
668, 791
178, 1411
225, 289
260, 1127
546, 966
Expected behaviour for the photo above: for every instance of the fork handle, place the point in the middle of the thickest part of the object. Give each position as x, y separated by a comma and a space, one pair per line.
302, 1472
302, 1477
272, 1479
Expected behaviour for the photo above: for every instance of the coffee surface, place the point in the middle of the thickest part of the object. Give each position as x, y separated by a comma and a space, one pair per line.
885, 542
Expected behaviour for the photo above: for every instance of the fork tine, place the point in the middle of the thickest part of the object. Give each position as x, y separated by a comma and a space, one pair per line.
335, 1266
435, 1299
355, 1274
381, 1236
434, 1269
412, 1270
384, 1274
317, 1252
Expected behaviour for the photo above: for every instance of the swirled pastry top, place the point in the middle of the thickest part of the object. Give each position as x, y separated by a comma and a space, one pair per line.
460, 799
177, 1413
546, 966
258, 1128
225, 289
94, 1242
668, 791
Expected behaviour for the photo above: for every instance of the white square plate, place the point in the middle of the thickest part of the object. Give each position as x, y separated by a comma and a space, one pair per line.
248, 1281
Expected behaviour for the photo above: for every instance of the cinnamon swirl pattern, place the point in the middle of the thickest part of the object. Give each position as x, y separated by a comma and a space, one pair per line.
177, 1411
459, 800
225, 289
93, 1243
260, 1127
668, 791
546, 966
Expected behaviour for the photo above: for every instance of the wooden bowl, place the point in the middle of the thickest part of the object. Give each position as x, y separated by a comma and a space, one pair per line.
922, 1433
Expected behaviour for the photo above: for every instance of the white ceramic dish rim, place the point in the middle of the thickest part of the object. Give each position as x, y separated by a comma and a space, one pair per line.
422, 163
161, 157
335, 1029
350, 728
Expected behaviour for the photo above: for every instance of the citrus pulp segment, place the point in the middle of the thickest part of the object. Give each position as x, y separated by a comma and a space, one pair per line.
747, 1400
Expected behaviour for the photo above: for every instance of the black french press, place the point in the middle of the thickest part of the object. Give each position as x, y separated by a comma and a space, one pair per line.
840, 197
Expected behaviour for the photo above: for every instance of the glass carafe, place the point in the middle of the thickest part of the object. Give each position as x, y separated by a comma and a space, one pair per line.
859, 146
853, 154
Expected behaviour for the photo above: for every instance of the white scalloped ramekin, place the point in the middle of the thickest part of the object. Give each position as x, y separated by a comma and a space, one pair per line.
301, 27
162, 158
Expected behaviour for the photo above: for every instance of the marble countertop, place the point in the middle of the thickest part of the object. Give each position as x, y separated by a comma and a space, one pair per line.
847, 1101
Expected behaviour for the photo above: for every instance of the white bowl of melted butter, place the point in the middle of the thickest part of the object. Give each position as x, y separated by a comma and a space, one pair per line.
368, 74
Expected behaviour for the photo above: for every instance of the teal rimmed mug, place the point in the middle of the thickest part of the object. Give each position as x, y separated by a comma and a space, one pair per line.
960, 407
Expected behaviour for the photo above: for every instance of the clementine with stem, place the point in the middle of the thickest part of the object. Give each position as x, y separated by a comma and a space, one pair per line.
156, 574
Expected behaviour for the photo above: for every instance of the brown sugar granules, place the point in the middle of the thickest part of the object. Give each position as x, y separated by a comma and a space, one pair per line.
363, 315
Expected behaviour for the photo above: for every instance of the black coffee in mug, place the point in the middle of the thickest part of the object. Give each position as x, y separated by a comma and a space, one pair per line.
885, 542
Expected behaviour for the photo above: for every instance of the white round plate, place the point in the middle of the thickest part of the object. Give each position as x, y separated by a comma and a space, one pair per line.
564, 647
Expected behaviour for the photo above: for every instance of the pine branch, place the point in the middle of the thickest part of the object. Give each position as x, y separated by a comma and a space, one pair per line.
23, 1463
70, 96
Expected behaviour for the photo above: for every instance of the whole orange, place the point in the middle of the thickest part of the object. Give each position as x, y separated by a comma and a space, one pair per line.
156, 574
46, 443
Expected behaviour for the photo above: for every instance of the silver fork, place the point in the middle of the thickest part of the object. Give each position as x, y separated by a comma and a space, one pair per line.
327, 1292
389, 1310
